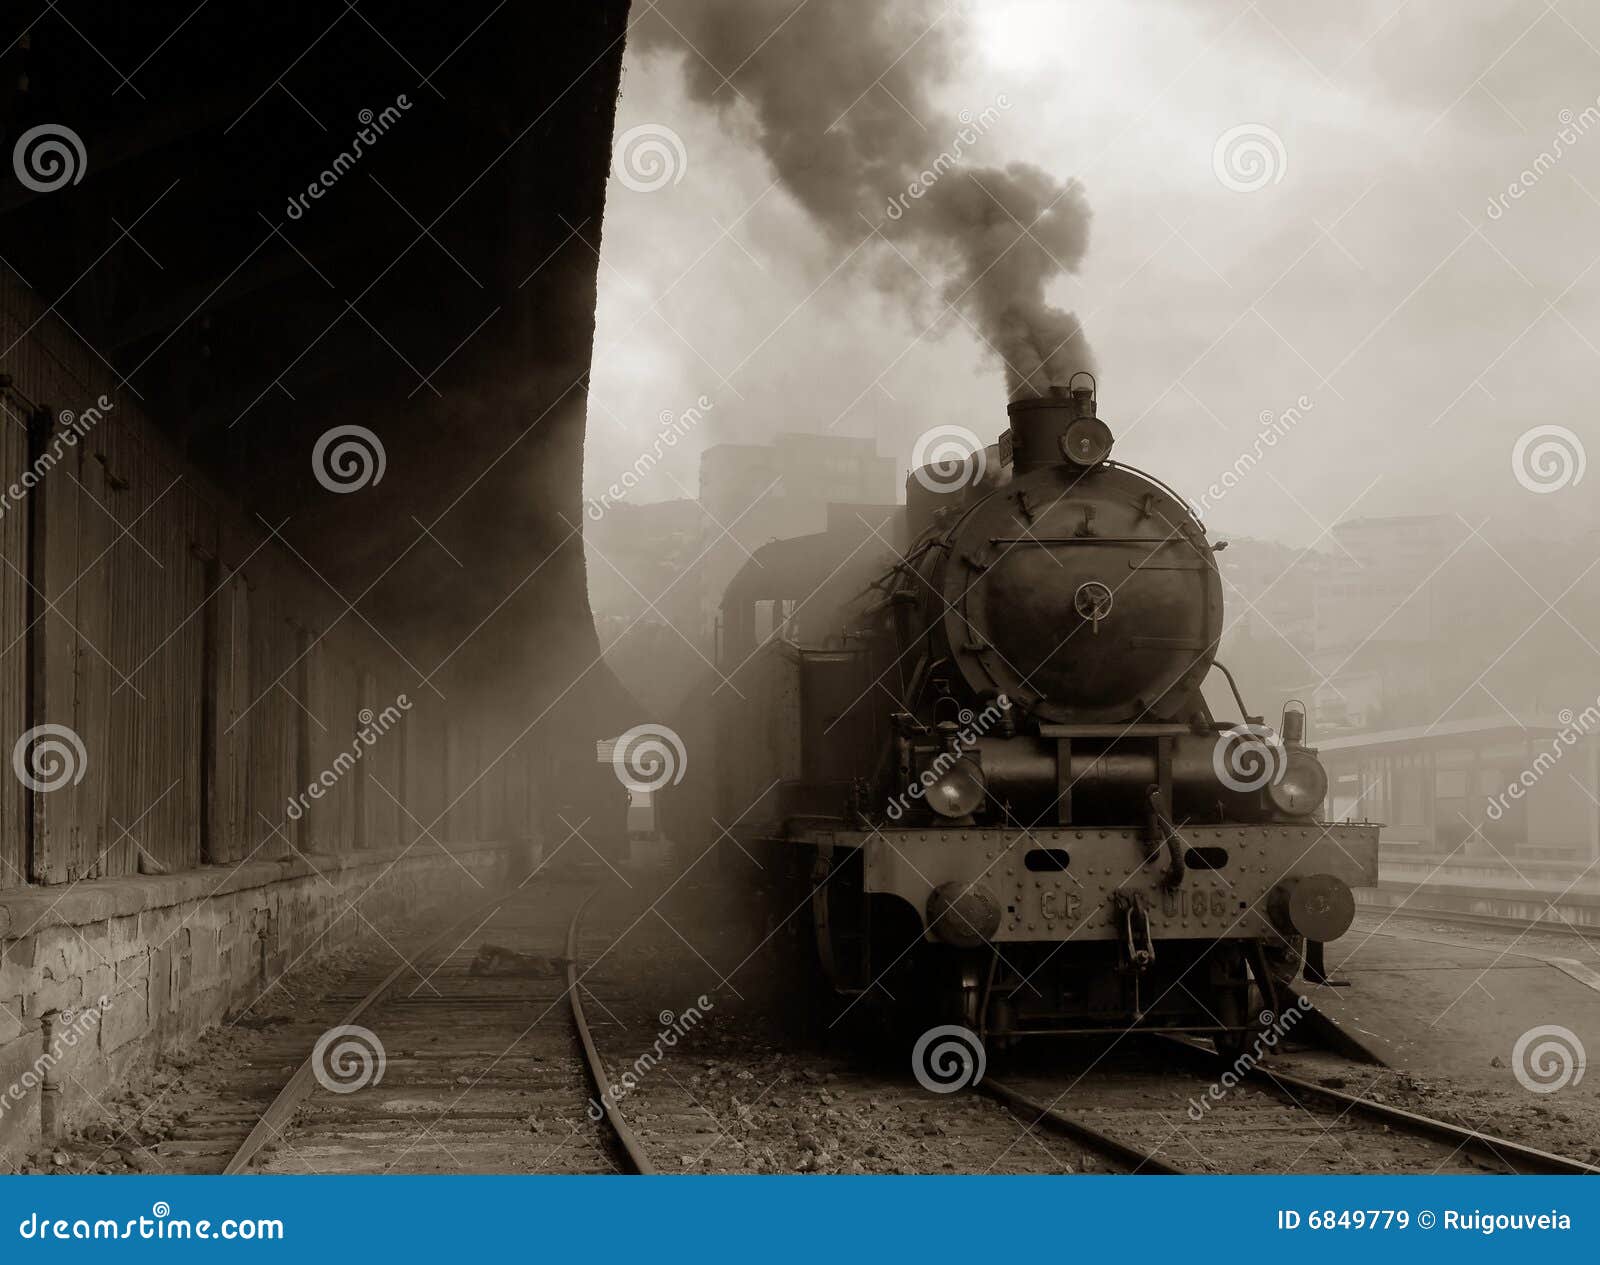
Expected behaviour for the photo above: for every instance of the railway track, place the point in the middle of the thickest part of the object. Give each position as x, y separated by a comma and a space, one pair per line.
1148, 1114
1125, 1119
520, 1069
485, 1064
1552, 926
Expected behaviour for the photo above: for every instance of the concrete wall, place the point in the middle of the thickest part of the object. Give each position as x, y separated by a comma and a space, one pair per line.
176, 955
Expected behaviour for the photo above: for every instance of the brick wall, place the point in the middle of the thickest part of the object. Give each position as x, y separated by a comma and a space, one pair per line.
176, 955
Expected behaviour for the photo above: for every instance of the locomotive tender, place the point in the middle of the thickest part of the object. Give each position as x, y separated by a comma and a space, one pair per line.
965, 739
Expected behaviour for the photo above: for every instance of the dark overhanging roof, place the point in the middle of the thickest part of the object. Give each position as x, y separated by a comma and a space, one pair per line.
440, 290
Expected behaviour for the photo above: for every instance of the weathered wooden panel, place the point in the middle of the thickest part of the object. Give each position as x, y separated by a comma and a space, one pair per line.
462, 787
68, 588
425, 770
155, 653
271, 714
330, 708
174, 643
228, 831
13, 635
381, 788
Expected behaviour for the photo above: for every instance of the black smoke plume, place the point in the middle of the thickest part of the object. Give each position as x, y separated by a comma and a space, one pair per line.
841, 97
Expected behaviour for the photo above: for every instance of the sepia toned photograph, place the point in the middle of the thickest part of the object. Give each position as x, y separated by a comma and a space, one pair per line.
813, 590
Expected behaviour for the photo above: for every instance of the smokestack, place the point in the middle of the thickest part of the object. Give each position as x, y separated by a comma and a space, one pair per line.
1061, 426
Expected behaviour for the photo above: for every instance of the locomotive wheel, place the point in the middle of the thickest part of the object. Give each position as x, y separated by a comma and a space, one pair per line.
1235, 1007
1232, 1007
962, 994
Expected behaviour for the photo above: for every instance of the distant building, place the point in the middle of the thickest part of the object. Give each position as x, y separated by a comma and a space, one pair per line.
1489, 788
1380, 614
753, 493
657, 570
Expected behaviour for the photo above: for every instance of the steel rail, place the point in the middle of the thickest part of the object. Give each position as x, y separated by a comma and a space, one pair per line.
1493, 922
1136, 1160
632, 1147
1513, 1155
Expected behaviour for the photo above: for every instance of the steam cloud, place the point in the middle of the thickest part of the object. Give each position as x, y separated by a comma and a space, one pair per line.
840, 95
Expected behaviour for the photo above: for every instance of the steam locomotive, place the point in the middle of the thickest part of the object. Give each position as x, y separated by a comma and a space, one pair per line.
965, 742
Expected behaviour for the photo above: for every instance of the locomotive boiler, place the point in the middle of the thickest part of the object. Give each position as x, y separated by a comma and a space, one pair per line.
966, 744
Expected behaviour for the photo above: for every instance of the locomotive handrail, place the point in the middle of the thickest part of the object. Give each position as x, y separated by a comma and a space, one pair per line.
1244, 712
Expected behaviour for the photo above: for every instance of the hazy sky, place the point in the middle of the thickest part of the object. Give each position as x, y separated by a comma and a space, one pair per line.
1365, 274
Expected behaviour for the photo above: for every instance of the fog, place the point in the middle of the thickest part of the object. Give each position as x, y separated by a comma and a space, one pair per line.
1366, 274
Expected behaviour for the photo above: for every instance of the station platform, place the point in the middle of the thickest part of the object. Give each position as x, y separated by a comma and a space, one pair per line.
1446, 1001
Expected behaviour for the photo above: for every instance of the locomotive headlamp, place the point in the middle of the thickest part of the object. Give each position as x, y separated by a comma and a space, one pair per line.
1087, 442
954, 789
1303, 786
